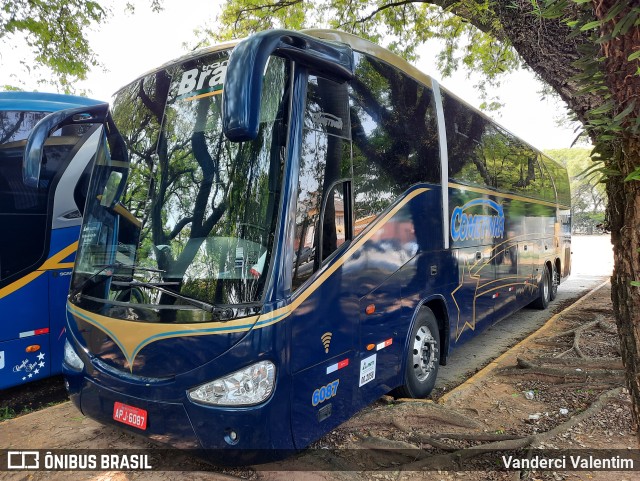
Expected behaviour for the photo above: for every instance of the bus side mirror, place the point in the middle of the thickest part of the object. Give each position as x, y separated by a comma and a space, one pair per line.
33, 150
243, 81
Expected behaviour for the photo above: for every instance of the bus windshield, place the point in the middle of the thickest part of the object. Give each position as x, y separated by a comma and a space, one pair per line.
179, 220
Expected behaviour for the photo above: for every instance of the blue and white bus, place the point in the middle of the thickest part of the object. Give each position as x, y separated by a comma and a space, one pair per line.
280, 230
40, 224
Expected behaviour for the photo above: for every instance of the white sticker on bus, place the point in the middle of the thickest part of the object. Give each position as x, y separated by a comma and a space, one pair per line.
1, 359
367, 370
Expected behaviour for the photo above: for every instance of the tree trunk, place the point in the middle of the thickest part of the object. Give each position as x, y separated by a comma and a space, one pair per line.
624, 197
545, 46
624, 220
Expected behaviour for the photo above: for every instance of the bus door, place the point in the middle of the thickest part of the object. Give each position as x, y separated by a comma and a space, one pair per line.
324, 304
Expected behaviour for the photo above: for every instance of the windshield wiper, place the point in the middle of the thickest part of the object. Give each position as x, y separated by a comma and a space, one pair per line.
205, 306
105, 267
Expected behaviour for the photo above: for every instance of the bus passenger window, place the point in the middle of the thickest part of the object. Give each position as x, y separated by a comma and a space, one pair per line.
24, 210
472, 144
395, 137
517, 168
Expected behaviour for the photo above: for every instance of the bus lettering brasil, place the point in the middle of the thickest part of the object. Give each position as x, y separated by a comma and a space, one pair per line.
194, 80
466, 226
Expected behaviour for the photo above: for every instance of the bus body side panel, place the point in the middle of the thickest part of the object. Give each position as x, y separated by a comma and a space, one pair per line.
24, 347
477, 233
564, 254
331, 379
33, 315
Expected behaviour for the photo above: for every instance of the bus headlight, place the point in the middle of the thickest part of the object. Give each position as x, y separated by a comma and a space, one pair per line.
246, 387
71, 358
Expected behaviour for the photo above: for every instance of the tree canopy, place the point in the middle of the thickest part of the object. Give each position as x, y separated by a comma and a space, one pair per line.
56, 31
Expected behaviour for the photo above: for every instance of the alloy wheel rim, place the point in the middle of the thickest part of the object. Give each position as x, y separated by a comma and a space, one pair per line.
424, 348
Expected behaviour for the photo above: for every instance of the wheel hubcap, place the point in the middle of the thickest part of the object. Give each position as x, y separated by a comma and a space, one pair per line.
424, 353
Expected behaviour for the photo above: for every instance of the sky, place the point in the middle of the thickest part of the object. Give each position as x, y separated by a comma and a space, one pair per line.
132, 44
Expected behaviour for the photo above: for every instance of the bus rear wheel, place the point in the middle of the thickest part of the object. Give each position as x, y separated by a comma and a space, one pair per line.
423, 357
544, 290
555, 282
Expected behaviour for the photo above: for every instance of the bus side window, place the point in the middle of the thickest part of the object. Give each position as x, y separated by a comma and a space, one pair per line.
472, 144
560, 180
334, 220
325, 161
24, 209
395, 137
518, 170
548, 191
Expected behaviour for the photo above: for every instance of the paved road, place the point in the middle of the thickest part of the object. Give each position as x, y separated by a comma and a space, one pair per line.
592, 264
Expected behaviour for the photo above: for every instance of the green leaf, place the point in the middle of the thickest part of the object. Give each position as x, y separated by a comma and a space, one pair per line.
635, 283
623, 26
635, 175
613, 12
625, 112
591, 25
634, 55
603, 109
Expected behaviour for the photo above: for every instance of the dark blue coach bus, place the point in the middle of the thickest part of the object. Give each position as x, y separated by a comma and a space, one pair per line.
280, 230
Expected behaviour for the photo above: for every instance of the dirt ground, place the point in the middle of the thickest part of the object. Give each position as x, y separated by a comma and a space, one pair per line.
550, 390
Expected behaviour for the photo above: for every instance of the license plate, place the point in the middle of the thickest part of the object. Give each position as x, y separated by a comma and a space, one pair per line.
126, 414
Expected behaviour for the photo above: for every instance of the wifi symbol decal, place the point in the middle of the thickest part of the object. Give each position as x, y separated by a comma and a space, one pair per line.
326, 340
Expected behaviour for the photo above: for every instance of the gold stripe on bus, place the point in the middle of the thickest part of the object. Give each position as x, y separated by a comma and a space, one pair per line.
503, 279
132, 337
480, 190
207, 94
478, 294
52, 263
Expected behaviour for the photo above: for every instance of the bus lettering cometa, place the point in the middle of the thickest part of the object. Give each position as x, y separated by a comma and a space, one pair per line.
225, 235
476, 226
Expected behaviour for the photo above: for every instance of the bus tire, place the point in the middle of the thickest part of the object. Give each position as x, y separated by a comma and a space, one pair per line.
423, 357
544, 290
555, 281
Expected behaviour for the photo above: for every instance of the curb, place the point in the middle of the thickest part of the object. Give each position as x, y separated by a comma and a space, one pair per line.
489, 368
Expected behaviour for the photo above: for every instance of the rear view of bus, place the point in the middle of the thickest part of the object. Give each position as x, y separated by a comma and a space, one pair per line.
40, 222
271, 242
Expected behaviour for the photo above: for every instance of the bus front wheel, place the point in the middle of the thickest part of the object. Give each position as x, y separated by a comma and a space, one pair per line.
423, 357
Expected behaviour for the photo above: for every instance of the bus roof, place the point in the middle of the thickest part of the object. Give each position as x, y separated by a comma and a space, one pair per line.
41, 101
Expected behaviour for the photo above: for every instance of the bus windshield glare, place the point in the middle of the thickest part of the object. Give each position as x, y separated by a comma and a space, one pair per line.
180, 223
